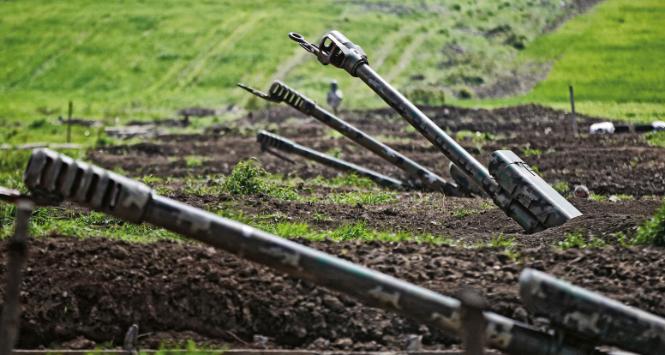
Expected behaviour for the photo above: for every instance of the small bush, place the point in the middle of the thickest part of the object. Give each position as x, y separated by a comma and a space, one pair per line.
652, 232
245, 178
248, 178
37, 123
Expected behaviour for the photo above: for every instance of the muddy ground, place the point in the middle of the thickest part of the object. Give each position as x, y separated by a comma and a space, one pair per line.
82, 293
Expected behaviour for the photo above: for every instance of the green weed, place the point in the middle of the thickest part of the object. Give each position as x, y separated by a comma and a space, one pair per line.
532, 152
656, 138
579, 241
502, 242
475, 137
346, 180
561, 187
193, 161
464, 212
652, 232
245, 178
597, 197
361, 197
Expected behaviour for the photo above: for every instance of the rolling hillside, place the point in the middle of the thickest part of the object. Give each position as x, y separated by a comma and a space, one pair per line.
614, 56
146, 59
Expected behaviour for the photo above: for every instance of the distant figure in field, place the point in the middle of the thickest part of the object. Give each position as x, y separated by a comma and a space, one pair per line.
335, 96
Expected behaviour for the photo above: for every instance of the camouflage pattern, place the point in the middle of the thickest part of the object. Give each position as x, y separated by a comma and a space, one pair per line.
590, 316
464, 181
267, 139
522, 184
420, 176
334, 48
17, 250
107, 192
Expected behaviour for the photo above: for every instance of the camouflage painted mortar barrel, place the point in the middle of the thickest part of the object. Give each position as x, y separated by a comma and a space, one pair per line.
591, 316
421, 176
56, 176
517, 190
267, 139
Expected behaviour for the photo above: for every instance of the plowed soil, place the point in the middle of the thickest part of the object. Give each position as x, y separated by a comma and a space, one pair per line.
94, 289
606, 164
86, 293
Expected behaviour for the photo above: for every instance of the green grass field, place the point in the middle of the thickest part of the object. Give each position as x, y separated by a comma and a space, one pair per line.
613, 56
128, 60
146, 59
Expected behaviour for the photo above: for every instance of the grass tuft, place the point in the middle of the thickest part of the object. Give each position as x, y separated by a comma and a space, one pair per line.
245, 178
652, 232
578, 241
656, 138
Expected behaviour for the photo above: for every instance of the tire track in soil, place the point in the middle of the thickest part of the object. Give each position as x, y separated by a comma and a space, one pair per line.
407, 56
51, 56
388, 46
196, 67
207, 41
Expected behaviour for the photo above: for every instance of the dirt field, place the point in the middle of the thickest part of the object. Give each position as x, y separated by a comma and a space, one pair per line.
94, 289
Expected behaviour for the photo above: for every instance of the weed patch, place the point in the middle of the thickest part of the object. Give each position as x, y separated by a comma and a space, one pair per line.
249, 178
578, 241
656, 138
652, 232
361, 197
561, 187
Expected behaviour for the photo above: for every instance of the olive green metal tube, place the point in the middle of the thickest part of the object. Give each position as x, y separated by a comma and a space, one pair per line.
267, 139
57, 176
510, 182
589, 315
420, 176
